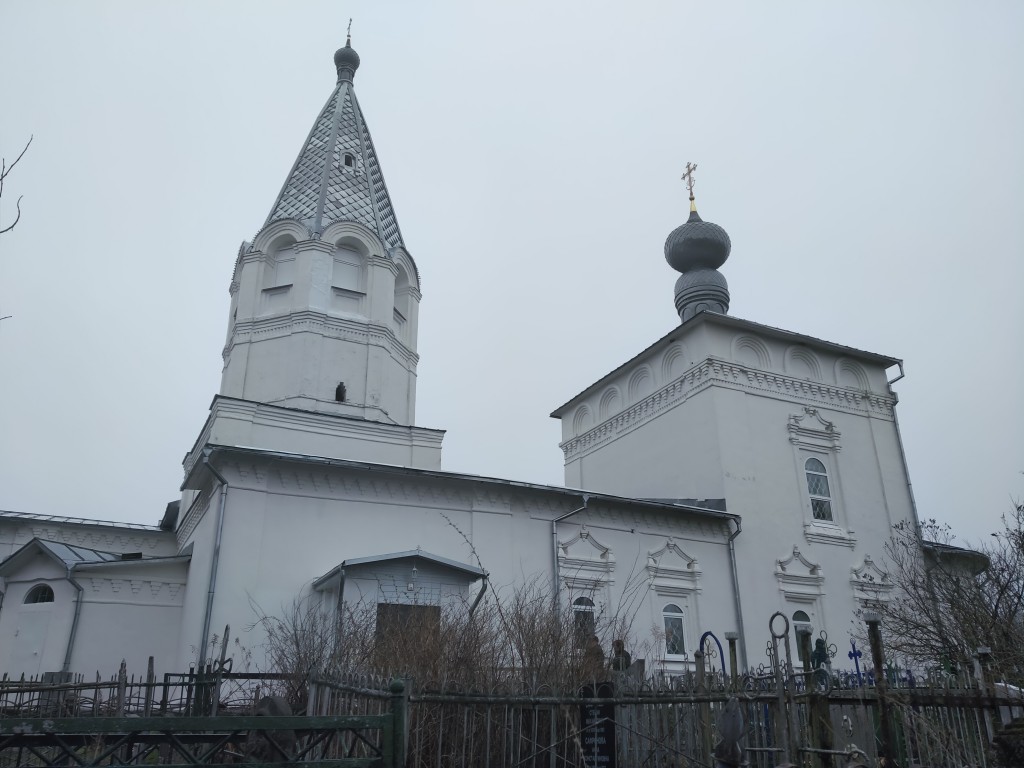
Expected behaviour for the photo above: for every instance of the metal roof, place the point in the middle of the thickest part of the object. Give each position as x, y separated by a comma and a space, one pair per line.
322, 188
454, 565
72, 556
481, 479
75, 520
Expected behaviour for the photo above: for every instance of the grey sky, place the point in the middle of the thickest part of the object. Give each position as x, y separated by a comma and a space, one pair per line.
866, 159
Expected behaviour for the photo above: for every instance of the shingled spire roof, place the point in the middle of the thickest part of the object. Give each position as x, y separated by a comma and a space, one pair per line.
337, 176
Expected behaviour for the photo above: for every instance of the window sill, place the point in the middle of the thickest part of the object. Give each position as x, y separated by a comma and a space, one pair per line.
827, 533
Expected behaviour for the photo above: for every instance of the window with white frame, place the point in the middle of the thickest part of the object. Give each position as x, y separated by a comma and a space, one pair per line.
675, 645
818, 490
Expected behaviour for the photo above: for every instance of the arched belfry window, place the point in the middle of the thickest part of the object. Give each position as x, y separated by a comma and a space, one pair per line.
817, 488
40, 593
673, 617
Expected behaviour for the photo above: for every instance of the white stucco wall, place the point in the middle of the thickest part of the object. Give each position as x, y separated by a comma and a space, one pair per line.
287, 522
732, 410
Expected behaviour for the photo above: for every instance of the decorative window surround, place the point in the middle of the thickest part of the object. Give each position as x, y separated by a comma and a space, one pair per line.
871, 585
673, 573
584, 564
815, 437
799, 579
716, 372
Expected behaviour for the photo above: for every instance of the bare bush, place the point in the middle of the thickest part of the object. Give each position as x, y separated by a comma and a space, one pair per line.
952, 601
517, 640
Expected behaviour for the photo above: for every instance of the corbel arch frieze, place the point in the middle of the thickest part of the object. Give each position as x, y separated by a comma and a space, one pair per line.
751, 350
801, 362
673, 362
641, 383
849, 373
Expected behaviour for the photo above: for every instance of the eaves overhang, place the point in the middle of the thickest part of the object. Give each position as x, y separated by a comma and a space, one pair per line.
731, 322
390, 469
356, 562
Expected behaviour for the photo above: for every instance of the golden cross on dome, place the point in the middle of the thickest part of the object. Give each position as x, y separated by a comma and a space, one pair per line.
348, 36
688, 177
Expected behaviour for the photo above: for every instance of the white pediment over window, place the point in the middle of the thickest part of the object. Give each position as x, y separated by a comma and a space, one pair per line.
870, 583
671, 571
798, 577
812, 430
584, 562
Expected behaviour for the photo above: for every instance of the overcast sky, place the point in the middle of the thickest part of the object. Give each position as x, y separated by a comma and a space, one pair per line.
867, 160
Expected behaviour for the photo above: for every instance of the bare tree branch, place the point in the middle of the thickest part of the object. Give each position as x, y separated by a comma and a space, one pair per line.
5, 170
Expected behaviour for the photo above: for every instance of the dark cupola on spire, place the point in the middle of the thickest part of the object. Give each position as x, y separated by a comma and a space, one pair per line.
697, 249
346, 60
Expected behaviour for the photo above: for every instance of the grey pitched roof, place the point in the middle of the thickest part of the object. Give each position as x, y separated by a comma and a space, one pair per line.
469, 570
321, 189
72, 556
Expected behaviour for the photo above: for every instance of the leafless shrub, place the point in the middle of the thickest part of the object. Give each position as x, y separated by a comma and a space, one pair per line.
951, 602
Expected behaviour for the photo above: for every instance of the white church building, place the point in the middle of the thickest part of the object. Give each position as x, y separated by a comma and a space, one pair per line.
730, 468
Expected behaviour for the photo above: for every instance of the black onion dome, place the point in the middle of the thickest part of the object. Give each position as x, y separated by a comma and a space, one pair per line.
346, 60
697, 244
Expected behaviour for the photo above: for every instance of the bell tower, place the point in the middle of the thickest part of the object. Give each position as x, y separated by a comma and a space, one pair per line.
320, 357
325, 299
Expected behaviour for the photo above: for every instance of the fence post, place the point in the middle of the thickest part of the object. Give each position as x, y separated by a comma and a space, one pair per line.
984, 655
150, 686
397, 723
874, 622
731, 638
122, 683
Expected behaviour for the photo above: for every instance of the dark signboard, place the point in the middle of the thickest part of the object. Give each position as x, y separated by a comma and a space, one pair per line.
597, 721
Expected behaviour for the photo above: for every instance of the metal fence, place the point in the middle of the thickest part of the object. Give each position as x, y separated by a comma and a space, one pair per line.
787, 711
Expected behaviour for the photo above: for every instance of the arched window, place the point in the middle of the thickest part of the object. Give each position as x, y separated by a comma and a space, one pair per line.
583, 618
817, 487
801, 626
674, 644
40, 593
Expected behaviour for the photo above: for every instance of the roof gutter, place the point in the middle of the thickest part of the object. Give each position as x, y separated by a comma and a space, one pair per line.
74, 621
557, 581
736, 592
212, 588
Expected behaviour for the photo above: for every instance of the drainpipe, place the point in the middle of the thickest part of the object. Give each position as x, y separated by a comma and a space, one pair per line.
479, 596
903, 453
736, 592
554, 549
74, 621
216, 557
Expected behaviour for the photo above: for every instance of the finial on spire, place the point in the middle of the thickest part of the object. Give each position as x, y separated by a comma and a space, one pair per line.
348, 33
688, 178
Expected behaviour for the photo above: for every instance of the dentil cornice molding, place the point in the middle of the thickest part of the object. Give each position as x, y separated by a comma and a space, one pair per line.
716, 372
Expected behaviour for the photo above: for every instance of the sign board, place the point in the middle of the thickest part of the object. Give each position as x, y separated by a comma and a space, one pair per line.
597, 721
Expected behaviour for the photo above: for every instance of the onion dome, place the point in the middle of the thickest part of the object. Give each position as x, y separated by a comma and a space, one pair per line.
697, 249
697, 244
346, 60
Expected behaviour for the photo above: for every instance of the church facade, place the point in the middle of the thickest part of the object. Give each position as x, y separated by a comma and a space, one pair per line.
728, 471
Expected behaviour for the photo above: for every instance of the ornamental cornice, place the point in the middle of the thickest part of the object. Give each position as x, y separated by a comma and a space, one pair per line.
329, 326
716, 372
